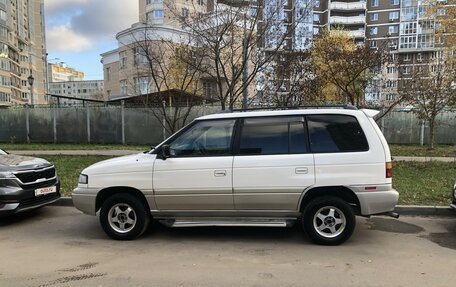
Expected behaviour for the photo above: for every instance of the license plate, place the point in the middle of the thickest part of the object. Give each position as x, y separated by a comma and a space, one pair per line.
46, 190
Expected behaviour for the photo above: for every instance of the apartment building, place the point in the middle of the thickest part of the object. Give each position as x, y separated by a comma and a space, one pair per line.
75, 92
22, 53
60, 72
409, 29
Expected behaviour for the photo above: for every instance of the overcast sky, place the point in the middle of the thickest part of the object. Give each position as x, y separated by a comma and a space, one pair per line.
78, 31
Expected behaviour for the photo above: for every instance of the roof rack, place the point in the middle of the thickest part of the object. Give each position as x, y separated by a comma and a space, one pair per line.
347, 107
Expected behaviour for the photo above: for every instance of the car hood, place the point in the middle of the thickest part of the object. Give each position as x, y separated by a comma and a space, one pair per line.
128, 163
12, 162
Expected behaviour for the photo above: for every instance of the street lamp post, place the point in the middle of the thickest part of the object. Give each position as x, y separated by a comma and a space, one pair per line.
30, 80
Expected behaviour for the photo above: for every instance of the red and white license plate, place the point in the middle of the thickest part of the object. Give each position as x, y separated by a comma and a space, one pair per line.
46, 190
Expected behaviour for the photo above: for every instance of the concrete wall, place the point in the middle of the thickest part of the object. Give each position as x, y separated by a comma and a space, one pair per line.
140, 126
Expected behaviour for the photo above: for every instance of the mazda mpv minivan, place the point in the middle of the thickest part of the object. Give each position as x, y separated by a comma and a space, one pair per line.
319, 167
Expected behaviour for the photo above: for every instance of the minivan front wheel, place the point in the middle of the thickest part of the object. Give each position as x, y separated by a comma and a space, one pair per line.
328, 220
124, 217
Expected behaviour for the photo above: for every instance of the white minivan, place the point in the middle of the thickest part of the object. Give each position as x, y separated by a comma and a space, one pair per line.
318, 166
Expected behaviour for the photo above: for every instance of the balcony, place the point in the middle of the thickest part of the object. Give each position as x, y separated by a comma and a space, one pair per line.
353, 20
356, 33
348, 6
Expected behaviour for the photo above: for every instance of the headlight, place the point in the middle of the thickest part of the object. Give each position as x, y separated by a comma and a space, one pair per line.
83, 179
6, 174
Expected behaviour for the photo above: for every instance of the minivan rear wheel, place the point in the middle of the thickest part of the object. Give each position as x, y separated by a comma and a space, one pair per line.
328, 220
124, 216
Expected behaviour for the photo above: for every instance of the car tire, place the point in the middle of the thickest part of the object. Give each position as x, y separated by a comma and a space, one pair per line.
328, 220
124, 216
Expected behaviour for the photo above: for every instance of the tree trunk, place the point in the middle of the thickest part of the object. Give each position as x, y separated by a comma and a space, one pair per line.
431, 133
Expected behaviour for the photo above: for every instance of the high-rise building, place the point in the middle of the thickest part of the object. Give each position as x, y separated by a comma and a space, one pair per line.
22, 53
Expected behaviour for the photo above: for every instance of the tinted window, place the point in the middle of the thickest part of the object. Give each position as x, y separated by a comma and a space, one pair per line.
205, 138
335, 133
279, 135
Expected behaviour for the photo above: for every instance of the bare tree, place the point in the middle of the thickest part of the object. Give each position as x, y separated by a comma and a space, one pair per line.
290, 81
239, 41
433, 91
166, 76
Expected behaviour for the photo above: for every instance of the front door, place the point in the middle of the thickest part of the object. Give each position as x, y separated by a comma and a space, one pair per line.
198, 173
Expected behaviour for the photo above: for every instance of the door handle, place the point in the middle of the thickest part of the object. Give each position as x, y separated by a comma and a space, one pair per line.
301, 170
219, 173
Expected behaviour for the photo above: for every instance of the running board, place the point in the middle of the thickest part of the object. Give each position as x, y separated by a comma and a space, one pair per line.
244, 222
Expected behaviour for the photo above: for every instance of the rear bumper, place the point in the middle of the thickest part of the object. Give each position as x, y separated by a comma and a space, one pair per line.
376, 202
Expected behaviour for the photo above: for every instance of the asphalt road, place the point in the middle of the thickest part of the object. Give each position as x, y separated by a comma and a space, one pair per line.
59, 246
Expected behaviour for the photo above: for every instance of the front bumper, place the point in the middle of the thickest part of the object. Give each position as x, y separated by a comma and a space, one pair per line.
377, 202
85, 199
15, 199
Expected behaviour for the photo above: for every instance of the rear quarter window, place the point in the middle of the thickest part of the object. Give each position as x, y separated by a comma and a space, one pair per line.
335, 133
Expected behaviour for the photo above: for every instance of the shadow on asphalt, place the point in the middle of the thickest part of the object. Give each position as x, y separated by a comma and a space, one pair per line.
392, 225
444, 239
20, 218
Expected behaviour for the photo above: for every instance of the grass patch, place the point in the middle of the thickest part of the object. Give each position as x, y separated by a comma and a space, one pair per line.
49, 146
69, 168
417, 150
424, 183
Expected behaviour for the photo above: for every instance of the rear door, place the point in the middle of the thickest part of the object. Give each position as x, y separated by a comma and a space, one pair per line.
272, 166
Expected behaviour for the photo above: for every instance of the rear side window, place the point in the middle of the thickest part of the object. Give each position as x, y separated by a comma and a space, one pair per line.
279, 135
335, 133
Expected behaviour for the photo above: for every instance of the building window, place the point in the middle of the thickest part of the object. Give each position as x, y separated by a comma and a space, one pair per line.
317, 3
123, 59
207, 90
316, 31
158, 14
441, 12
406, 70
373, 44
407, 57
375, 3
391, 70
123, 88
374, 30
393, 29
316, 18
184, 12
142, 85
374, 17
394, 15
108, 74
419, 57
390, 97
140, 57
394, 2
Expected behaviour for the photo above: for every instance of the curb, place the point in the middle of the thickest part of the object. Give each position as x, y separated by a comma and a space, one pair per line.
416, 210
410, 210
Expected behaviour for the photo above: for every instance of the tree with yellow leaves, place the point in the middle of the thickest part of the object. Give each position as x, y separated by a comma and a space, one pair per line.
344, 67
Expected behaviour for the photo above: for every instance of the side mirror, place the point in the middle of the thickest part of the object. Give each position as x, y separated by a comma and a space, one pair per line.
165, 151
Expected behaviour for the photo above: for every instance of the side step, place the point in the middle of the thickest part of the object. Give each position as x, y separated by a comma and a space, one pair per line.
247, 222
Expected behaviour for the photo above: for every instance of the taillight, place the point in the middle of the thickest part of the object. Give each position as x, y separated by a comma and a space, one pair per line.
389, 170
